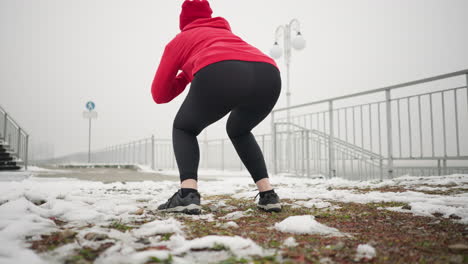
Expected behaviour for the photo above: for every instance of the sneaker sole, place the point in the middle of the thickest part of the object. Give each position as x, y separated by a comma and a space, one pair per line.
189, 209
270, 207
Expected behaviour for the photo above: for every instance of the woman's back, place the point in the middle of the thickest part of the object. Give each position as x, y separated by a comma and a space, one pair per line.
209, 40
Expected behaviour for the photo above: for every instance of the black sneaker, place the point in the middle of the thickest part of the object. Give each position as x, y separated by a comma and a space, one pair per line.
189, 204
269, 203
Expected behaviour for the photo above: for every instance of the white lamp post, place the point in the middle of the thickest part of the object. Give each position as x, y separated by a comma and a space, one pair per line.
298, 43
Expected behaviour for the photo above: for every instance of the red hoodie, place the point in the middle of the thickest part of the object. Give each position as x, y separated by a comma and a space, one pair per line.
202, 42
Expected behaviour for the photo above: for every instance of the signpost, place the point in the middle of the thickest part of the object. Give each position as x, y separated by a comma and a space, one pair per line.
90, 114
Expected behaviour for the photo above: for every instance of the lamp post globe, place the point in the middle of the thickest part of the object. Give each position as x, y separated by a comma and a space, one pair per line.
299, 42
276, 51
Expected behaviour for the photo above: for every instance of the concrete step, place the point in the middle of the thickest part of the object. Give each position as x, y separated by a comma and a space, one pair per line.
9, 167
5, 154
6, 158
4, 146
7, 151
10, 163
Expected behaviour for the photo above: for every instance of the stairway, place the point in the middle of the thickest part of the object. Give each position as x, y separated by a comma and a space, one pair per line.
8, 160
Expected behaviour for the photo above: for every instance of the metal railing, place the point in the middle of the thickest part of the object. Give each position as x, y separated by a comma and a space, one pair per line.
15, 137
387, 135
414, 128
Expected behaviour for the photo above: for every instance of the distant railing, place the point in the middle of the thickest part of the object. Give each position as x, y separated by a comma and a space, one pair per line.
15, 137
158, 154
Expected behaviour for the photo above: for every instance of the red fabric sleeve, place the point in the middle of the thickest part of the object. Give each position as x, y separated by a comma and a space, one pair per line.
166, 85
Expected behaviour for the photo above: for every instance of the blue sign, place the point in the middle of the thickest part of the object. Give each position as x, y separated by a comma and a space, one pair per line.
90, 105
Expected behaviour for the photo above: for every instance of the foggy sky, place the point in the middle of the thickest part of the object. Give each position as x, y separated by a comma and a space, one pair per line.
58, 54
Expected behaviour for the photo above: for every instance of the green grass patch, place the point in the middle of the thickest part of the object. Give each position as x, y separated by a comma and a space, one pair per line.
219, 247
120, 226
166, 237
153, 260
234, 260
87, 254
387, 204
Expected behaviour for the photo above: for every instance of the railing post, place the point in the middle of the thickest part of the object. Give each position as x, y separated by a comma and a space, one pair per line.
331, 156
445, 166
439, 168
146, 151
208, 153
5, 127
18, 143
119, 154
173, 161
466, 75
273, 143
152, 152
124, 153
26, 153
307, 153
381, 169
263, 144
388, 104
302, 153
134, 159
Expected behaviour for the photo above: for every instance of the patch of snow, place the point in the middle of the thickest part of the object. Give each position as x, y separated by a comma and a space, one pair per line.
204, 217
230, 224
143, 256
241, 246
157, 227
27, 203
236, 215
6, 176
313, 203
121, 254
365, 251
306, 224
325, 190
290, 242
15, 252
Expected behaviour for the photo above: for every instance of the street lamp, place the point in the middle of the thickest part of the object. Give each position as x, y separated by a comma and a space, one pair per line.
298, 43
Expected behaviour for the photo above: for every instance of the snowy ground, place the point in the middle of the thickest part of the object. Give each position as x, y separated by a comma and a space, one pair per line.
66, 220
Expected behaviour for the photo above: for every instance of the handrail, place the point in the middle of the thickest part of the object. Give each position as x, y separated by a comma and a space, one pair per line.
387, 88
336, 140
19, 143
348, 145
12, 120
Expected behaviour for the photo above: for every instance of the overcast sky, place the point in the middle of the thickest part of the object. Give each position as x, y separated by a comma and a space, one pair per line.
58, 54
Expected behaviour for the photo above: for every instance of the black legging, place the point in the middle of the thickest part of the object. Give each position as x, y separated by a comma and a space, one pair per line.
248, 90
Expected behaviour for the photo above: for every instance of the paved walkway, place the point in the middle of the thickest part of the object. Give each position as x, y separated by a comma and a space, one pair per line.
108, 175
